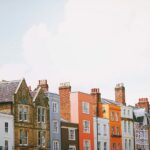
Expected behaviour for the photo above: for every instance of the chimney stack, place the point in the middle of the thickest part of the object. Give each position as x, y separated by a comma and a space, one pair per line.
120, 93
65, 106
43, 84
143, 103
95, 92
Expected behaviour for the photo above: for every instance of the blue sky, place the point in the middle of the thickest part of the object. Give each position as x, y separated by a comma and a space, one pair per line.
90, 43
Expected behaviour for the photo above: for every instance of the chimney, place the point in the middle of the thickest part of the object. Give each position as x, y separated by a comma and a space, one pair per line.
43, 84
65, 107
120, 93
143, 103
95, 92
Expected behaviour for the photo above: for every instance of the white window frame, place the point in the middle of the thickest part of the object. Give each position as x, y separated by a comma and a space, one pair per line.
22, 113
105, 129
55, 121
74, 134
42, 139
86, 130
55, 107
25, 137
55, 142
117, 116
72, 147
86, 147
85, 107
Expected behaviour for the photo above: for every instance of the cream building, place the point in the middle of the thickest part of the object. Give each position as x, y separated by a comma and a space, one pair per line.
127, 128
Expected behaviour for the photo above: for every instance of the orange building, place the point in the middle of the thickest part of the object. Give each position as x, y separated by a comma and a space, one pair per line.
80, 108
111, 111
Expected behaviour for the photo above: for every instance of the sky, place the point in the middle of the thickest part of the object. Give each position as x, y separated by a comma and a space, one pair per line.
89, 43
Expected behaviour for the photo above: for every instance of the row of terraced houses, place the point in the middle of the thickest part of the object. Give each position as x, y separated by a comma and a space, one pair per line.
40, 120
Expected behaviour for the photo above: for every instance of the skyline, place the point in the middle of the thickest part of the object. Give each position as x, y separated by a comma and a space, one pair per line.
89, 43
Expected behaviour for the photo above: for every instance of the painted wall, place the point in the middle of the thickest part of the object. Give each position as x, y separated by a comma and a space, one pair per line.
7, 136
83, 97
127, 128
54, 116
100, 135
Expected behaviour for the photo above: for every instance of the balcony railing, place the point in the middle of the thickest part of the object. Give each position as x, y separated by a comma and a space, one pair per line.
116, 135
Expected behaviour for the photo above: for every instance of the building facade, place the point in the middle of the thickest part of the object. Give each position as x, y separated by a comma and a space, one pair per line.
54, 113
55, 126
6, 132
101, 134
31, 114
127, 128
69, 136
141, 129
112, 112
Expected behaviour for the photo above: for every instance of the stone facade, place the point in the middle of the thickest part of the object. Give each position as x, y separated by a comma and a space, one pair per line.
23, 105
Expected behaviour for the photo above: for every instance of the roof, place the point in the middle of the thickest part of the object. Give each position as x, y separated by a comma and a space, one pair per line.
35, 93
108, 101
8, 89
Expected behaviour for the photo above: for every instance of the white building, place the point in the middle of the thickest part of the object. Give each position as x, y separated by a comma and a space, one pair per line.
127, 128
6, 132
101, 134
140, 129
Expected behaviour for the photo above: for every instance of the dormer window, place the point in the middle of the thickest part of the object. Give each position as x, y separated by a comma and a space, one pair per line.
23, 113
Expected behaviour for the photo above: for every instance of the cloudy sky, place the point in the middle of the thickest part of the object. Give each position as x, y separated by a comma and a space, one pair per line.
90, 43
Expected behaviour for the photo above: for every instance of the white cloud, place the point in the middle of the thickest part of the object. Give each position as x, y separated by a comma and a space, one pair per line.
99, 43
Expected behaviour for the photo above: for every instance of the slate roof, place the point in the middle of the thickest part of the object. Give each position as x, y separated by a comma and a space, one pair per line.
7, 90
108, 101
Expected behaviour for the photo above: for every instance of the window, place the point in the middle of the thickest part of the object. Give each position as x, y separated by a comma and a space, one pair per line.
125, 127
86, 145
55, 126
113, 130
41, 138
23, 137
105, 145
55, 107
85, 107
23, 113
125, 144
55, 145
124, 112
72, 134
6, 145
6, 127
112, 116
86, 126
72, 147
114, 146
117, 130
105, 130
128, 113
116, 116
41, 114
129, 144
129, 128
99, 145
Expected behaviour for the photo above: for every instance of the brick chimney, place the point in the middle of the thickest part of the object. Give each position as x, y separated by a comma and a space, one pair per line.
143, 103
43, 84
65, 108
95, 92
120, 93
